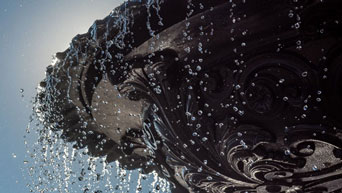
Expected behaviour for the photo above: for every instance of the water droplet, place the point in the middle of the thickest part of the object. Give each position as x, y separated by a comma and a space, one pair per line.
297, 25
291, 15
199, 169
304, 74
243, 144
287, 152
21, 90
187, 50
198, 68
235, 109
157, 90
314, 168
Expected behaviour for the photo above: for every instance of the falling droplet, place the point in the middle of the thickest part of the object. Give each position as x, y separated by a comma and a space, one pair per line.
297, 25
198, 68
287, 152
187, 49
243, 144
290, 15
314, 168
304, 74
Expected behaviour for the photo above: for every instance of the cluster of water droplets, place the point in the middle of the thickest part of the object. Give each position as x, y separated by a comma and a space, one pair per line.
56, 166
53, 165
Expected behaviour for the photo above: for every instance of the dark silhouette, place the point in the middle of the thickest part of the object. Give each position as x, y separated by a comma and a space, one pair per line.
217, 96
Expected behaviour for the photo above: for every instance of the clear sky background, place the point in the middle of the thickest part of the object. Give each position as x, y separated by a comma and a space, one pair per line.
31, 31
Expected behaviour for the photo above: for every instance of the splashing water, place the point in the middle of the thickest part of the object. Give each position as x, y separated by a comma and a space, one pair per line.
55, 165
88, 137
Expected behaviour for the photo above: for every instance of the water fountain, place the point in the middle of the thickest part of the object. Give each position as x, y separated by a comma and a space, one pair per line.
214, 96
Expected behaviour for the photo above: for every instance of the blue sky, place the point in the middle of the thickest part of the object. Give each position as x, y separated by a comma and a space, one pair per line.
31, 31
